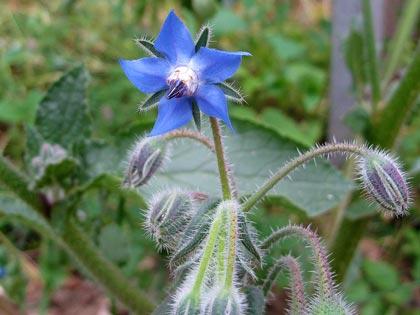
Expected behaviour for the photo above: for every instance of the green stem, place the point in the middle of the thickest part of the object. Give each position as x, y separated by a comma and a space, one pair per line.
18, 184
400, 104
221, 250
190, 134
208, 252
345, 244
295, 163
371, 53
107, 274
406, 23
231, 259
221, 161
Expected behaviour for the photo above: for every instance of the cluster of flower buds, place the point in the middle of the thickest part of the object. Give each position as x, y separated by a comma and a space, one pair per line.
145, 159
384, 182
210, 286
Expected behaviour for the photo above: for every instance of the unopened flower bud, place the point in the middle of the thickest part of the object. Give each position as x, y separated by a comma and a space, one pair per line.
225, 301
168, 215
385, 182
146, 157
334, 305
188, 305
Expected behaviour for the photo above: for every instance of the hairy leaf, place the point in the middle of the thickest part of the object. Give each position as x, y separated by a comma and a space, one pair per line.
62, 114
15, 210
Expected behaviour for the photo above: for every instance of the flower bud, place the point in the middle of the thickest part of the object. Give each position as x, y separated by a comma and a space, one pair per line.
385, 182
146, 157
168, 215
334, 305
225, 301
187, 305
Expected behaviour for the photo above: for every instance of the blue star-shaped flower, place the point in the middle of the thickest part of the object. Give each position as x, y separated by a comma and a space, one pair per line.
187, 76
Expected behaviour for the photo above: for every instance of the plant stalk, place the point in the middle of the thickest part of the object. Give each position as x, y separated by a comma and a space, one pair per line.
298, 161
103, 271
221, 160
372, 58
18, 184
208, 252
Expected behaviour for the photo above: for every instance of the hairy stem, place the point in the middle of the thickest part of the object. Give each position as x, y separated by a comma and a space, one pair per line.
221, 250
208, 252
232, 241
298, 161
18, 184
187, 133
221, 161
297, 287
104, 272
325, 283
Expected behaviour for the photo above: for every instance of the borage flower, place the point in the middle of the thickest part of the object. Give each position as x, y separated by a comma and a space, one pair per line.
183, 75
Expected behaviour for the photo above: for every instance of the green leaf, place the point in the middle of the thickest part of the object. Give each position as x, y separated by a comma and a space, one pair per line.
386, 129
381, 275
358, 120
113, 243
62, 114
60, 172
20, 110
255, 151
354, 54
406, 23
227, 21
360, 208
285, 48
286, 126
14, 210
371, 56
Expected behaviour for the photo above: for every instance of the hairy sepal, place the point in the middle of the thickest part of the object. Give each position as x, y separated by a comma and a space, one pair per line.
148, 47
194, 233
246, 237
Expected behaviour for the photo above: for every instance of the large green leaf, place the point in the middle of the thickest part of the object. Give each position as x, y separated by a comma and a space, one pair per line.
255, 151
15, 210
62, 114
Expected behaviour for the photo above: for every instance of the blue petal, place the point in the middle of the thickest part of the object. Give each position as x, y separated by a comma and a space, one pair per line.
216, 66
172, 114
175, 41
147, 74
212, 101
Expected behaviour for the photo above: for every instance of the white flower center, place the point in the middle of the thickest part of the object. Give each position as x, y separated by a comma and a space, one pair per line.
183, 81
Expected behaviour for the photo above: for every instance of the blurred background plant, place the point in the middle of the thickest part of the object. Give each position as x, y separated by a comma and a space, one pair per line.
287, 86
